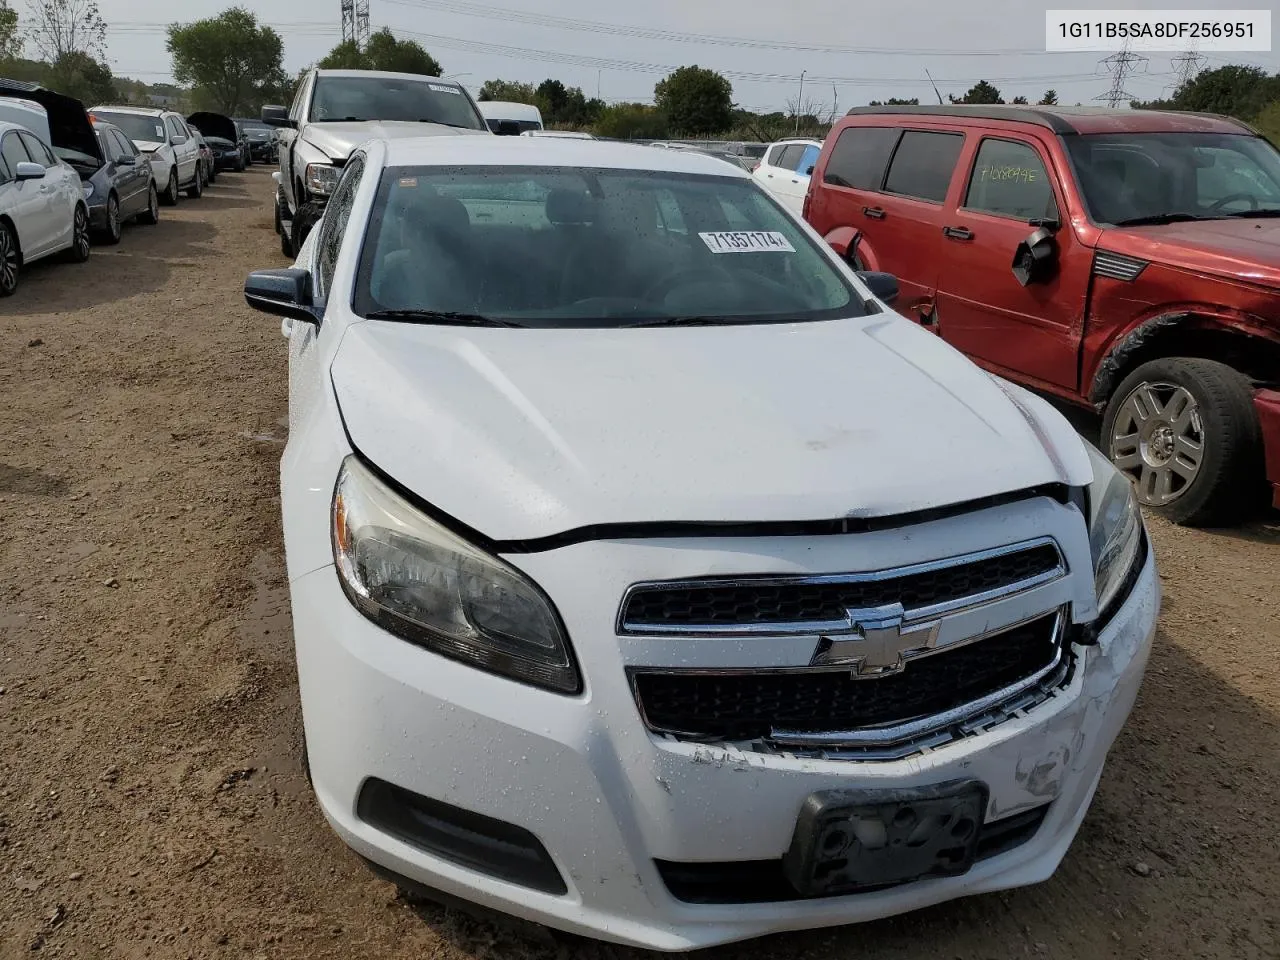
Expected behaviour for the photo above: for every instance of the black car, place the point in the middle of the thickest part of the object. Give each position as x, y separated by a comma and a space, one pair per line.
226, 155
229, 146
117, 179
262, 139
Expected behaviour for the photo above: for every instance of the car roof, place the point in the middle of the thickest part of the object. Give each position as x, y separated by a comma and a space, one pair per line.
385, 75
1072, 120
140, 111
550, 152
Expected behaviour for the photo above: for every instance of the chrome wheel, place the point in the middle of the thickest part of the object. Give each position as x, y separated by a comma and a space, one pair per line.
1158, 441
113, 220
8, 262
80, 236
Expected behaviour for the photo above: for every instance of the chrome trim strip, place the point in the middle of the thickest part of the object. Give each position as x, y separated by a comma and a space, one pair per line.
842, 626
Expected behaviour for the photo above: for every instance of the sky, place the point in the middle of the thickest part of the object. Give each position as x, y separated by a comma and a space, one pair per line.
850, 51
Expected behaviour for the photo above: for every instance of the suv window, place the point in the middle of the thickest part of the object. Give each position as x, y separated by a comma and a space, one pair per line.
38, 151
172, 126
923, 164
336, 215
13, 153
124, 146
1009, 179
859, 157
808, 160
790, 159
775, 155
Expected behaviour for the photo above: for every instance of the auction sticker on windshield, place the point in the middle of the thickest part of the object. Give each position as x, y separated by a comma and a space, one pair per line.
441, 88
747, 241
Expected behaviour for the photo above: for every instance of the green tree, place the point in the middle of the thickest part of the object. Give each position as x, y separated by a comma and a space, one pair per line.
895, 102
980, 92
1234, 90
383, 52
1268, 122
1050, 98
1019, 100
508, 91
565, 106
230, 61
625, 121
695, 101
10, 38
59, 27
79, 75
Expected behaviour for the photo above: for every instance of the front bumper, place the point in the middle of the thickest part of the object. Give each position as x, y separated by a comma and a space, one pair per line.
97, 214
607, 800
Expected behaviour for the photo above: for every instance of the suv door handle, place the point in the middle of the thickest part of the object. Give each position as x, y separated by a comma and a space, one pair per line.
958, 233
875, 213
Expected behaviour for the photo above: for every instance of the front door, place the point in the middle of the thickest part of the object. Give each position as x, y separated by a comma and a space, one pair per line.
1030, 331
24, 201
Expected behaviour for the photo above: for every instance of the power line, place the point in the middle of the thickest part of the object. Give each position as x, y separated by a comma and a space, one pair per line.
1120, 65
483, 11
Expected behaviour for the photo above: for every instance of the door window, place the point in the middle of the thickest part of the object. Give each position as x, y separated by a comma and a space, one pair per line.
124, 145
13, 153
1009, 179
172, 127
791, 155
775, 155
923, 164
38, 151
337, 213
859, 158
808, 160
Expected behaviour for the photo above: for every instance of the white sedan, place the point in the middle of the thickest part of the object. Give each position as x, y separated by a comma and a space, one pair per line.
42, 208
653, 580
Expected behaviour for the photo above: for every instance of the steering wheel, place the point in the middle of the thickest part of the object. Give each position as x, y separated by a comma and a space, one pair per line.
682, 275
1231, 198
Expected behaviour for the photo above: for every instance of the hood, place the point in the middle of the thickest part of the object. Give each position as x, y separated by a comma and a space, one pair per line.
214, 125
337, 140
148, 146
69, 125
1236, 249
522, 434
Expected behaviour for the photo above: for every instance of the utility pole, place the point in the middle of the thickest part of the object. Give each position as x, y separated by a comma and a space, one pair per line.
1186, 66
800, 102
1121, 65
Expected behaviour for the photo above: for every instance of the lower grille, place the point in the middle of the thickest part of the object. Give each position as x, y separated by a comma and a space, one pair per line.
755, 705
764, 881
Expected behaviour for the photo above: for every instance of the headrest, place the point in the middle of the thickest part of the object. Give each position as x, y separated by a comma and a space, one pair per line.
441, 215
570, 206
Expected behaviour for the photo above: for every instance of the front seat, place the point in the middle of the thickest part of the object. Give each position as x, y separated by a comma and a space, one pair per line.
434, 268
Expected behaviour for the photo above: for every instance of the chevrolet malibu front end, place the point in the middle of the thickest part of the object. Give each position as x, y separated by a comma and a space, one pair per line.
675, 633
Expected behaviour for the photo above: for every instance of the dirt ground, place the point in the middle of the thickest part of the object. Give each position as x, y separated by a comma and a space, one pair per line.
151, 800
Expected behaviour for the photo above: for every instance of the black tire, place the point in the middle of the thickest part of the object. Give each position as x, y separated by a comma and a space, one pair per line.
213, 174
80, 245
1228, 482
10, 260
114, 229
304, 220
151, 215
279, 223
170, 196
196, 190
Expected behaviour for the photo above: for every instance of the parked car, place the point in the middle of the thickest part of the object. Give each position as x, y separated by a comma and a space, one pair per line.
1124, 261
262, 140
738, 160
208, 173
785, 171
336, 110
166, 141
753, 151
806, 620
122, 188
42, 207
223, 136
242, 140
507, 118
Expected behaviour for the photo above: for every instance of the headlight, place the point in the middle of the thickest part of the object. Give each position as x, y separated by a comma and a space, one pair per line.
88, 190
322, 178
1115, 528
419, 581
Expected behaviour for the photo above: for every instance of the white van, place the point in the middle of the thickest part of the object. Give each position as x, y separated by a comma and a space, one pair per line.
525, 115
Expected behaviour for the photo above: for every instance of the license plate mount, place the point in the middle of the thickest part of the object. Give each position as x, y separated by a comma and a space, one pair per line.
848, 841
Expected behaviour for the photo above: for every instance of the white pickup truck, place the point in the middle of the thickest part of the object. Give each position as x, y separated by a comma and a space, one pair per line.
334, 112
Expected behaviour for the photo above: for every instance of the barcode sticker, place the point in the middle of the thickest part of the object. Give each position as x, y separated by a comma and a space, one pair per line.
441, 88
747, 241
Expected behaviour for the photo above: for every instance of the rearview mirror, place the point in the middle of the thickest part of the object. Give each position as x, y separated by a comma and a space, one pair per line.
507, 128
282, 293
26, 170
1035, 258
883, 285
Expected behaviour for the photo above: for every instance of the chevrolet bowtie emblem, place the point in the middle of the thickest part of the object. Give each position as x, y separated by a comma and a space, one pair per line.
875, 641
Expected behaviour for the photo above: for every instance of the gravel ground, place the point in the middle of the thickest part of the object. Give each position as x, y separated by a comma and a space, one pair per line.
151, 801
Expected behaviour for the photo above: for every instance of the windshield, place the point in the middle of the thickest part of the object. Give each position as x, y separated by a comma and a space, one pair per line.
354, 99
135, 126
1177, 176
547, 246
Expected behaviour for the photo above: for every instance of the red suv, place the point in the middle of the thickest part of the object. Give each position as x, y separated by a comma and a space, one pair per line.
1126, 260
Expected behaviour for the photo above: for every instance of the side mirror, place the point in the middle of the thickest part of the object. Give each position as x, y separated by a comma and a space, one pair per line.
1035, 258
26, 170
809, 170
283, 293
127, 161
276, 116
179, 140
507, 128
883, 285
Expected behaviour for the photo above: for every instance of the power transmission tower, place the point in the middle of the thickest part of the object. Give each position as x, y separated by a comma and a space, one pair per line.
348, 21
362, 23
1186, 66
355, 22
1121, 65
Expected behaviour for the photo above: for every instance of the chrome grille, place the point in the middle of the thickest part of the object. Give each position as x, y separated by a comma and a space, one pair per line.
1117, 266
785, 605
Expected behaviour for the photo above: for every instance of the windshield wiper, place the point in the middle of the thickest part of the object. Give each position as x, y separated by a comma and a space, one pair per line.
1157, 219
441, 317
683, 322
1245, 214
